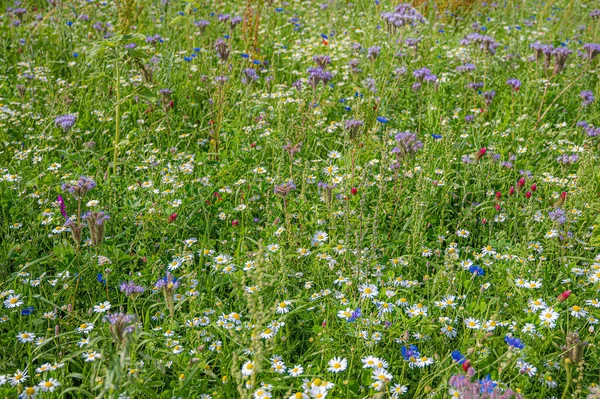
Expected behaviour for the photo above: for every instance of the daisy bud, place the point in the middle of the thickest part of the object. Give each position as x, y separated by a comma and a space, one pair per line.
563, 296
533, 187
354, 190
511, 191
528, 194
172, 218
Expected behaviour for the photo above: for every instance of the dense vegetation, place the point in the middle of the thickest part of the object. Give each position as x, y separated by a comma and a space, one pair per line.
221, 199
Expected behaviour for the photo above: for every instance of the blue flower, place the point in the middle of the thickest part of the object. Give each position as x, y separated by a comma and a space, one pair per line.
458, 357
355, 315
27, 311
279, 9
69, 23
477, 270
487, 385
382, 119
244, 55
410, 351
100, 278
324, 36
75, 55
514, 342
436, 136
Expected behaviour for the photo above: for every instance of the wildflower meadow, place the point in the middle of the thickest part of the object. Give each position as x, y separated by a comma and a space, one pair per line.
216, 199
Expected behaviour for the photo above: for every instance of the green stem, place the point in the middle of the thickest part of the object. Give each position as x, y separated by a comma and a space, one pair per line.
117, 118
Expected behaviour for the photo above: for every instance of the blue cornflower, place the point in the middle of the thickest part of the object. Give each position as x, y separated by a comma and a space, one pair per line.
279, 9
458, 357
382, 119
477, 270
27, 311
355, 315
487, 385
244, 55
75, 55
69, 23
436, 136
100, 278
514, 342
324, 36
409, 352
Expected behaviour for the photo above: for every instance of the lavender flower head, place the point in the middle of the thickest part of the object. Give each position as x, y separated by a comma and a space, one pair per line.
131, 289
202, 24
222, 49
284, 189
407, 145
466, 68
65, 122
373, 52
588, 97
167, 283
80, 187
591, 51
489, 96
353, 127
318, 75
558, 216
322, 61
403, 15
249, 76
567, 159
121, 326
515, 84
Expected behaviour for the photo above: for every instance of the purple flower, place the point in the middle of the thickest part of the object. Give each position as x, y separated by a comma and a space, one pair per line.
131, 289
515, 84
202, 24
558, 216
249, 76
567, 159
167, 283
373, 52
465, 68
587, 96
284, 189
407, 145
318, 75
489, 96
222, 49
322, 61
591, 51
80, 187
61, 203
66, 122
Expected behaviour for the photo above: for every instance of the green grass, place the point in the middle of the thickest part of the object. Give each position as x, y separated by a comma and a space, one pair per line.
188, 177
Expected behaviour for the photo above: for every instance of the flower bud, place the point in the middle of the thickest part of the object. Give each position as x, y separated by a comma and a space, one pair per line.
533, 187
528, 194
234, 223
172, 218
354, 190
563, 296
511, 191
